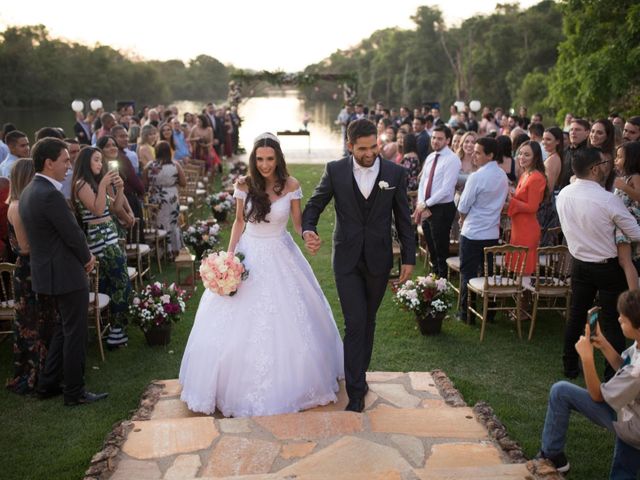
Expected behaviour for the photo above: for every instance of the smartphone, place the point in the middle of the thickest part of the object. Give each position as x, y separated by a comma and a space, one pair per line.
113, 165
592, 316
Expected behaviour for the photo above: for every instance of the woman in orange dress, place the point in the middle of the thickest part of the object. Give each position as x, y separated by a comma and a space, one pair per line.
524, 204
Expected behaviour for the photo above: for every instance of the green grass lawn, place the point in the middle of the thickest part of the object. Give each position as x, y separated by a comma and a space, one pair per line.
45, 440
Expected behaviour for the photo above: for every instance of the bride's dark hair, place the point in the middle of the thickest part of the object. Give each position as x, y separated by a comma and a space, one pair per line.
258, 198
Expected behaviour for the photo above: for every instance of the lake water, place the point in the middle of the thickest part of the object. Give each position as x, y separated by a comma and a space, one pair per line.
278, 111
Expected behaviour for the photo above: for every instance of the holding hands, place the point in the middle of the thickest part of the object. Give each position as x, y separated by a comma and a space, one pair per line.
312, 242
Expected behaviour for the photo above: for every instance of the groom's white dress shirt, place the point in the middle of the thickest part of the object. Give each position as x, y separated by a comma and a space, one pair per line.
366, 177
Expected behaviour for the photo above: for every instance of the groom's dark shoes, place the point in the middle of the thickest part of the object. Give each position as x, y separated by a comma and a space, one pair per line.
355, 405
85, 398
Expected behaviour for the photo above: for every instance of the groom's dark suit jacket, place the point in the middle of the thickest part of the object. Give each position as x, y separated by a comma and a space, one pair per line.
58, 245
359, 230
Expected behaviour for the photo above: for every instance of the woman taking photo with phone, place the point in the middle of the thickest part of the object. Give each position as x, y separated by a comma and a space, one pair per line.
97, 193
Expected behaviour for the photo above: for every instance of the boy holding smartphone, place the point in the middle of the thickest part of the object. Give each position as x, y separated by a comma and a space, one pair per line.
614, 405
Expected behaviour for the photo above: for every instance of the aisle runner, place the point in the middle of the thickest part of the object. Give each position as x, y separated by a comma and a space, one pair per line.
407, 431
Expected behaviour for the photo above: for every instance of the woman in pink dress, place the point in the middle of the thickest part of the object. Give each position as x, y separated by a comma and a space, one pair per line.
524, 203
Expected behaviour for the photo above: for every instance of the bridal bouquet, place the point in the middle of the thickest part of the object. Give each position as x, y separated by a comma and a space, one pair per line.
156, 305
222, 273
424, 295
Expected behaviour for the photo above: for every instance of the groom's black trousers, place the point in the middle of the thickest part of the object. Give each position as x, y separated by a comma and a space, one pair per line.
360, 295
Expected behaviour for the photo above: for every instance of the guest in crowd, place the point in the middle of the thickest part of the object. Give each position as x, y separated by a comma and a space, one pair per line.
5, 251
553, 144
34, 317
4, 149
181, 153
18, 144
73, 146
505, 158
146, 145
465, 153
82, 128
163, 176
631, 131
480, 207
410, 160
602, 136
589, 215
613, 405
435, 209
422, 138
166, 135
60, 260
627, 187
578, 136
98, 193
201, 139
524, 203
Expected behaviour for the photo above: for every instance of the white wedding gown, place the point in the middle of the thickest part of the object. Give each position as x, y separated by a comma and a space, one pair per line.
271, 348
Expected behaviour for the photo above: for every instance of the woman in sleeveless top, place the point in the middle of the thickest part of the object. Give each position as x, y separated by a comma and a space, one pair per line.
146, 145
35, 318
162, 177
97, 192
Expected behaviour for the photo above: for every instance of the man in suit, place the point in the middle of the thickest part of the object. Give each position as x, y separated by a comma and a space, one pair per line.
366, 190
60, 260
423, 140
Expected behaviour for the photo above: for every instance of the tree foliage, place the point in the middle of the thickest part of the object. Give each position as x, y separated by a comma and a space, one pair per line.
598, 68
487, 57
36, 70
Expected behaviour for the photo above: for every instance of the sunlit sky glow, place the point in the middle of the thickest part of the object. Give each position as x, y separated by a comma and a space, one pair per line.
271, 35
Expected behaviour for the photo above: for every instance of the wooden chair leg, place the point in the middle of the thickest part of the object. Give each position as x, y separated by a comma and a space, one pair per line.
158, 254
99, 334
518, 314
485, 309
536, 298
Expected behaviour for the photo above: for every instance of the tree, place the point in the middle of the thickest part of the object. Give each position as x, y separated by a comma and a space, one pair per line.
598, 68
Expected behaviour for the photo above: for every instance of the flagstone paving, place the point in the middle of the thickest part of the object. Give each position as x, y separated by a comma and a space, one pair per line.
407, 432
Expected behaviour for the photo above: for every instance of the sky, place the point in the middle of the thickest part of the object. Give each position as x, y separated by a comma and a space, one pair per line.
261, 35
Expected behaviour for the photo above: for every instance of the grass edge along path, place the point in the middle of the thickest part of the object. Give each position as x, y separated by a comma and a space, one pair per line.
43, 439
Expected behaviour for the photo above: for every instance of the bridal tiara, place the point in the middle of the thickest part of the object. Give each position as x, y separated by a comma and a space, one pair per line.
264, 136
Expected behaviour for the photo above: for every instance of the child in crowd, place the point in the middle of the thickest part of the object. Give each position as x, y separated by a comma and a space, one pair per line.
627, 163
614, 405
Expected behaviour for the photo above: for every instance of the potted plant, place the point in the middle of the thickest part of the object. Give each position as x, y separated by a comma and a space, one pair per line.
201, 236
154, 309
221, 203
428, 298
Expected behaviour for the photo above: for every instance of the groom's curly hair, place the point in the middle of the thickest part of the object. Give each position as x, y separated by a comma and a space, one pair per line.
260, 205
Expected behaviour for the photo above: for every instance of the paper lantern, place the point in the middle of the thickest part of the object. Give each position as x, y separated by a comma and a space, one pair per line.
96, 104
459, 105
77, 106
475, 105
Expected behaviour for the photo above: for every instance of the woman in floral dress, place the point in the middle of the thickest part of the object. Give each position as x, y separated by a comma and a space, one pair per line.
34, 320
162, 177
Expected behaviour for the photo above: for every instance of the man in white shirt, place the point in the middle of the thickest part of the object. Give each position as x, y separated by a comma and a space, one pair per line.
18, 144
480, 207
435, 208
589, 215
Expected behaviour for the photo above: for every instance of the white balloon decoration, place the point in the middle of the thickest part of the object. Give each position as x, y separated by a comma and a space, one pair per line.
96, 104
77, 106
459, 105
475, 105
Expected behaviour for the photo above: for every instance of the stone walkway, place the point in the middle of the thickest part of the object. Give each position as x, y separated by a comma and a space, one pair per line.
408, 431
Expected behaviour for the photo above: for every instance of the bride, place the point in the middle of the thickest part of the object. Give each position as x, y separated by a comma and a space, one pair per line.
273, 347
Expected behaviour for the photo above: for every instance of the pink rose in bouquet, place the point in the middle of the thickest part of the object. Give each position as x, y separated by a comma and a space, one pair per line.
222, 272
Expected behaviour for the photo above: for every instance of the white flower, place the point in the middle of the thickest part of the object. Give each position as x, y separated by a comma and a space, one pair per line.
136, 301
382, 185
165, 298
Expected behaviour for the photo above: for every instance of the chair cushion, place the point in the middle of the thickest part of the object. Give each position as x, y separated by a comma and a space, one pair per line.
144, 249
550, 288
184, 208
161, 233
201, 191
103, 300
132, 272
8, 304
477, 285
200, 185
454, 263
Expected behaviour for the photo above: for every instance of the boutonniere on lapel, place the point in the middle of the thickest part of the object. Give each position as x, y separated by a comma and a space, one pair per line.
382, 185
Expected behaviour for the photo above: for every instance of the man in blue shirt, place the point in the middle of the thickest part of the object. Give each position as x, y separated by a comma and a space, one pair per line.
480, 206
18, 144
181, 152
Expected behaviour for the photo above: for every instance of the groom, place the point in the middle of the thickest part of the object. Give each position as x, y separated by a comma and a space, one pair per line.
366, 190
